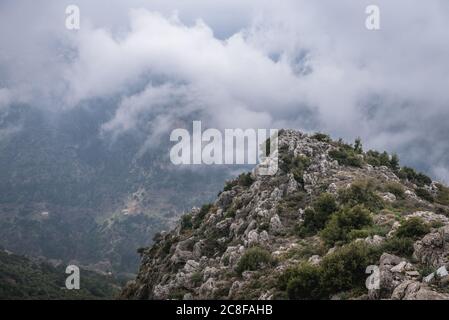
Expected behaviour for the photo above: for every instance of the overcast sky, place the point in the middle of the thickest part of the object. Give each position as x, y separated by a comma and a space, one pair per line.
309, 65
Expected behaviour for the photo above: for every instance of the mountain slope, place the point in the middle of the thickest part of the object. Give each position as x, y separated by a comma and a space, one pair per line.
22, 278
69, 193
308, 232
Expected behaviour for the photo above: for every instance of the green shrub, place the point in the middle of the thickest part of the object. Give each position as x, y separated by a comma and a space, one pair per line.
412, 176
196, 278
345, 268
229, 185
201, 215
362, 192
424, 194
322, 137
378, 159
295, 165
358, 147
166, 247
230, 213
289, 205
341, 270
305, 283
309, 226
264, 226
300, 164
367, 232
346, 156
359, 234
395, 188
425, 270
443, 195
186, 222
177, 294
253, 259
394, 162
245, 179
343, 222
306, 249
316, 217
413, 228
398, 246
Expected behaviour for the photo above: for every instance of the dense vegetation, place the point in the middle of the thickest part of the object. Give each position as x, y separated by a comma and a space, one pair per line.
21, 278
339, 271
64, 167
339, 221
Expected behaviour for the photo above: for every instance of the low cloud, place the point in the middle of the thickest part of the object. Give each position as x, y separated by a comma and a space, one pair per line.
299, 64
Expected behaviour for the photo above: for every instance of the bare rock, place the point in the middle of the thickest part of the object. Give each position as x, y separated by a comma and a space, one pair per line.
414, 290
433, 249
276, 224
389, 197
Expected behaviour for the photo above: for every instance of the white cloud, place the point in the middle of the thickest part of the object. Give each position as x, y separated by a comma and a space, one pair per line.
302, 64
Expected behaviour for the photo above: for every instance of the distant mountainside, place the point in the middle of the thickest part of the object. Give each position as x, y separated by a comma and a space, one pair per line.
22, 278
308, 232
69, 193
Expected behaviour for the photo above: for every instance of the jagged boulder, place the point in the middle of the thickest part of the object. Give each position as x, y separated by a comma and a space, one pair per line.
414, 290
433, 248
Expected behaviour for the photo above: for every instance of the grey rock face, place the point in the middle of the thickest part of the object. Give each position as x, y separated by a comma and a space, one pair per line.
211, 257
413, 290
433, 249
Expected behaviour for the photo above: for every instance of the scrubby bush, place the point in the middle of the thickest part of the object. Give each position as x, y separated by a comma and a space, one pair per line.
201, 215
295, 200
166, 246
367, 232
289, 206
254, 259
395, 188
196, 278
443, 195
398, 246
341, 270
338, 228
295, 165
305, 283
229, 185
230, 213
378, 159
358, 147
362, 192
322, 137
346, 156
186, 222
424, 194
245, 179
412, 176
394, 162
413, 228
300, 164
345, 268
316, 217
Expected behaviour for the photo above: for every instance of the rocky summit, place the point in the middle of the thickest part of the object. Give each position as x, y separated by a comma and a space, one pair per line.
334, 222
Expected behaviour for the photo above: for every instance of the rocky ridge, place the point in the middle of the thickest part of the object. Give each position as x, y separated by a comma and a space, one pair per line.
330, 204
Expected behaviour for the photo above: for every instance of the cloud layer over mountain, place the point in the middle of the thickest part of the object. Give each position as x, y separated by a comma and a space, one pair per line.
300, 64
